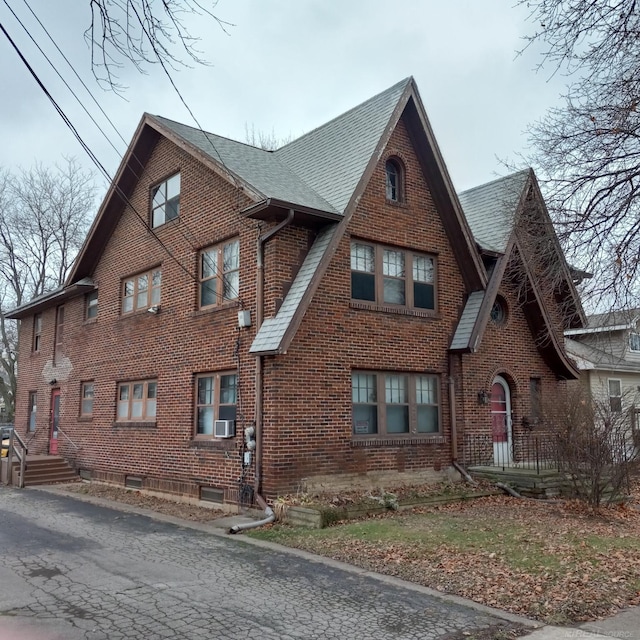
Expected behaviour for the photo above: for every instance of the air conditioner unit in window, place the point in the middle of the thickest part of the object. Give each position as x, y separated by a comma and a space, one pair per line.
224, 428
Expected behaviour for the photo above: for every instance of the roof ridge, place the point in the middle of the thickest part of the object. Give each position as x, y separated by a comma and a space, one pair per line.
210, 133
405, 81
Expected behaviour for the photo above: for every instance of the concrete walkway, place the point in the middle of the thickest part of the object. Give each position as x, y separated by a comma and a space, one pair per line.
623, 626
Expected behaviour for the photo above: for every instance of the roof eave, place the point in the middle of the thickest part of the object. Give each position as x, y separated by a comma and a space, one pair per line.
263, 209
44, 302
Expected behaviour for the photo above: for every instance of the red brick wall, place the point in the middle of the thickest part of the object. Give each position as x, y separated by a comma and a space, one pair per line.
308, 427
171, 346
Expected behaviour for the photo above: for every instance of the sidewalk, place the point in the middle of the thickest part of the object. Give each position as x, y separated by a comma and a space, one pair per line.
623, 626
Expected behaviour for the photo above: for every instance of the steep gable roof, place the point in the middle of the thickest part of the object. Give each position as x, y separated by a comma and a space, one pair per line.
332, 158
267, 174
325, 147
494, 213
491, 209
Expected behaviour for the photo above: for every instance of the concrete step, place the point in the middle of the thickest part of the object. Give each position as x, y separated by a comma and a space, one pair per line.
46, 470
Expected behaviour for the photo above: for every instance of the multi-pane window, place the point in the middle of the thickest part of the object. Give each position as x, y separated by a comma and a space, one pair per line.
216, 398
165, 201
615, 395
86, 399
393, 180
33, 403
91, 305
137, 401
141, 291
219, 274
392, 276
37, 331
634, 341
395, 403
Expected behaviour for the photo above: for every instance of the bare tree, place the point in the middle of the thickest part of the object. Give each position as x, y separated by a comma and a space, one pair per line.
44, 216
594, 444
267, 141
587, 152
143, 32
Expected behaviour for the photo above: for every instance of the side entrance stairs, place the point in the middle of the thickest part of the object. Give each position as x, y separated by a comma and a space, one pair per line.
41, 469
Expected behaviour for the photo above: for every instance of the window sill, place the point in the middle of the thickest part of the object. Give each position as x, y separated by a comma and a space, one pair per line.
217, 444
135, 425
232, 304
86, 419
401, 204
377, 441
91, 321
401, 311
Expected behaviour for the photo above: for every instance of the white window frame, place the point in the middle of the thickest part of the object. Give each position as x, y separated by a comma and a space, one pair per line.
165, 201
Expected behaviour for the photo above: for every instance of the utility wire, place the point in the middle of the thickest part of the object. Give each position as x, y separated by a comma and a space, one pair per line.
90, 153
77, 75
182, 223
84, 108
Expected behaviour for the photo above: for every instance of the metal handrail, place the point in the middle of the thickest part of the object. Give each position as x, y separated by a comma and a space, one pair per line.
20, 454
71, 442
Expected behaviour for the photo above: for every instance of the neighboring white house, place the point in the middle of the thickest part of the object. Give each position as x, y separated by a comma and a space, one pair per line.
607, 352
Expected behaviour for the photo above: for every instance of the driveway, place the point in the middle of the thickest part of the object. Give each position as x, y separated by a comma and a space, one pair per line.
74, 570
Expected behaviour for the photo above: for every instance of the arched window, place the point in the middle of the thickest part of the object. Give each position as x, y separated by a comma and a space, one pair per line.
394, 179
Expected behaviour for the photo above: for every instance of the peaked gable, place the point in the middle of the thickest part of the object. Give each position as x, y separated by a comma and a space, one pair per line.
496, 215
332, 158
279, 332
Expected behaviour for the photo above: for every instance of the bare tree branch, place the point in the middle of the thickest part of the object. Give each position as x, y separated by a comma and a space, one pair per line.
587, 153
143, 32
44, 216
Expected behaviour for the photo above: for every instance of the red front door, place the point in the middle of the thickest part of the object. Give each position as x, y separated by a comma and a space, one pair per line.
55, 422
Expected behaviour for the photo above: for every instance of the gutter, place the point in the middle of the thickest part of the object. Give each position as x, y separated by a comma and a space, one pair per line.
262, 240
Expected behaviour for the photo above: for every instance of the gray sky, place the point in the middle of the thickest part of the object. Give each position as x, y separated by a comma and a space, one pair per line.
288, 66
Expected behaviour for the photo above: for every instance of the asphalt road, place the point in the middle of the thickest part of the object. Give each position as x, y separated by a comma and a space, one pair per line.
73, 570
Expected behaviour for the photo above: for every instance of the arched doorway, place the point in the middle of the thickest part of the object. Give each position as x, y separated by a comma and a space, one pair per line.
501, 421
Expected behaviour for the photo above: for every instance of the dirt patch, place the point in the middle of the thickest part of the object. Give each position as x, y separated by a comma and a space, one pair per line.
182, 510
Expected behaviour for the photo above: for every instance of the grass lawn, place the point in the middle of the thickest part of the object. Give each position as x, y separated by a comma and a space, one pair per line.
555, 562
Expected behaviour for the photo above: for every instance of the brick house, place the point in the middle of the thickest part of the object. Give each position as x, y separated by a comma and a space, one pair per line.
336, 295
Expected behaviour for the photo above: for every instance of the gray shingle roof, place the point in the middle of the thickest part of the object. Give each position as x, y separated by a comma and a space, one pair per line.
261, 169
332, 158
321, 169
467, 321
272, 331
613, 318
589, 357
490, 209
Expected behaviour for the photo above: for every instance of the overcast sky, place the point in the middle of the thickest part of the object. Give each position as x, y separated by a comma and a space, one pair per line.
288, 66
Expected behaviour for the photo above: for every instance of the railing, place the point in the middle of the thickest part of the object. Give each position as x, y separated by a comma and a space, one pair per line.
20, 453
69, 440
535, 452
